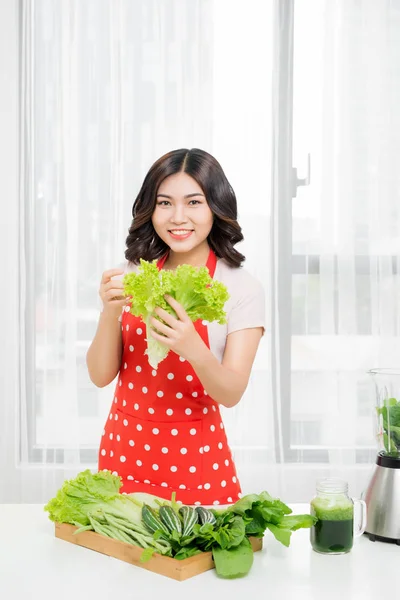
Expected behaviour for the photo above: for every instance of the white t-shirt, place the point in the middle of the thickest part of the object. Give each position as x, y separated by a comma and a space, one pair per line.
245, 308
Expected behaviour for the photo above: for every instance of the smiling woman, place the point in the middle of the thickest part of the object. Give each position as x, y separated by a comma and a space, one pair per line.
184, 185
164, 431
183, 219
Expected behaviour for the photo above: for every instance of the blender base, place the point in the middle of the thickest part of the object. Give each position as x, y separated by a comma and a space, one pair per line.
379, 538
382, 498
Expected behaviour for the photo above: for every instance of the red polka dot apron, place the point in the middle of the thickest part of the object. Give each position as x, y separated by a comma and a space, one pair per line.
164, 433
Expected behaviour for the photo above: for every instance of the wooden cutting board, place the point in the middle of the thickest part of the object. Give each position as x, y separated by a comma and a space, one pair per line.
163, 565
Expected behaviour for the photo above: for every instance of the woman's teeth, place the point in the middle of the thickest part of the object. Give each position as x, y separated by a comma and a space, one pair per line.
180, 231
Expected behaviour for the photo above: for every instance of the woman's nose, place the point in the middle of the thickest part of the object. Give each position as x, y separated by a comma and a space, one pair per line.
179, 215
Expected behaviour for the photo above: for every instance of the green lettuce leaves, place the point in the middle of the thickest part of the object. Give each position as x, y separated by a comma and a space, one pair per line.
201, 296
261, 512
78, 498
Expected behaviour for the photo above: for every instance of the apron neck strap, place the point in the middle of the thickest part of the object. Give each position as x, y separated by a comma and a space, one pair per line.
210, 264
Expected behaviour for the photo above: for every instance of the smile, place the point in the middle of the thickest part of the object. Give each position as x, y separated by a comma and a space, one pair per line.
180, 233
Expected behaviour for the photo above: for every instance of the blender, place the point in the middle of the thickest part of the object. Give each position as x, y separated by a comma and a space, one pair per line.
382, 495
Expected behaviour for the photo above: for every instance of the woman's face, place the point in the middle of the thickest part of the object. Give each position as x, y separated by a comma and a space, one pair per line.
182, 217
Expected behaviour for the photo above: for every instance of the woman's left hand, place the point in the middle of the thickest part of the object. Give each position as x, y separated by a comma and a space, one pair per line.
179, 334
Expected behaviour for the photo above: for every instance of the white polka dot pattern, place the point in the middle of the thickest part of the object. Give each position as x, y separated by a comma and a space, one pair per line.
164, 424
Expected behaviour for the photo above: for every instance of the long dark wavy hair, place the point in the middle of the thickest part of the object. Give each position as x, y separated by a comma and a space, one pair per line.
143, 241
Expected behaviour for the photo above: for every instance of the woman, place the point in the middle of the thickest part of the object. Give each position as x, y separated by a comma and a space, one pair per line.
164, 432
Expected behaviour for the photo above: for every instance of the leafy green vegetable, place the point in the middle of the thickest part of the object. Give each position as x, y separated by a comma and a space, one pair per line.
228, 532
92, 501
87, 492
147, 554
271, 506
201, 296
187, 552
390, 414
235, 562
287, 525
260, 512
142, 498
295, 522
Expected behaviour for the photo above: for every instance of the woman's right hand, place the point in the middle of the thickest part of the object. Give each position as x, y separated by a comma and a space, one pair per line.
111, 292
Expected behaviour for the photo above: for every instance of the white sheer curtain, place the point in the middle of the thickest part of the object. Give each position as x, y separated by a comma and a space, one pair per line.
107, 86
346, 225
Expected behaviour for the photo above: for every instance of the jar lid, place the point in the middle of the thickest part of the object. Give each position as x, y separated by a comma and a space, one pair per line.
332, 485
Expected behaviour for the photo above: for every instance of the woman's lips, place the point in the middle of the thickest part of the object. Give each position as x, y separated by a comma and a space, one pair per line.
180, 234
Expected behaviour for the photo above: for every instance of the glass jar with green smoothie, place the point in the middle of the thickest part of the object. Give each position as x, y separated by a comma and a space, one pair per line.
334, 531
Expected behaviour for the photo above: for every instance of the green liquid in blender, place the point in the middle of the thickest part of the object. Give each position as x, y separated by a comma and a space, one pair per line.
333, 532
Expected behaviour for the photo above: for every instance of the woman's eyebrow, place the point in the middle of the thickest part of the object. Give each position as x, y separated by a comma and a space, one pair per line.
187, 195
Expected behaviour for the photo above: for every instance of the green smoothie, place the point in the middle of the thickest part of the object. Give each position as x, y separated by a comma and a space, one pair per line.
333, 532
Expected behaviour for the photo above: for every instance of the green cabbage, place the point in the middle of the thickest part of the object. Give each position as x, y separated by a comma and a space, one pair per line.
201, 296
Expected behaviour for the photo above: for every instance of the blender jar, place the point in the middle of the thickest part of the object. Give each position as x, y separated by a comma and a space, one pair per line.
387, 412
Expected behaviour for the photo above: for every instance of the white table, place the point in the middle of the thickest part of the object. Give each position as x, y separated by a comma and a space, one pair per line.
34, 565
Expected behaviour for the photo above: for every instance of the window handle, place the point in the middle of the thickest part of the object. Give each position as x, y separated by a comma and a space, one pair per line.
298, 182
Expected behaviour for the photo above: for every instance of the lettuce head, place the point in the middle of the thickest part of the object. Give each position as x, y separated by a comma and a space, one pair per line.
201, 296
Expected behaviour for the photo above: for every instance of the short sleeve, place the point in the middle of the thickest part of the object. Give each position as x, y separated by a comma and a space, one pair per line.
248, 311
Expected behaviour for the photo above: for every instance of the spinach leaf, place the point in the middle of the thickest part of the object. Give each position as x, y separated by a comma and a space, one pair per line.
227, 532
281, 534
187, 552
294, 522
235, 562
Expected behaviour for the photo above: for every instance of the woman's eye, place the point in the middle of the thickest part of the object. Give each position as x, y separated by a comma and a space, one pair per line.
163, 203
194, 202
